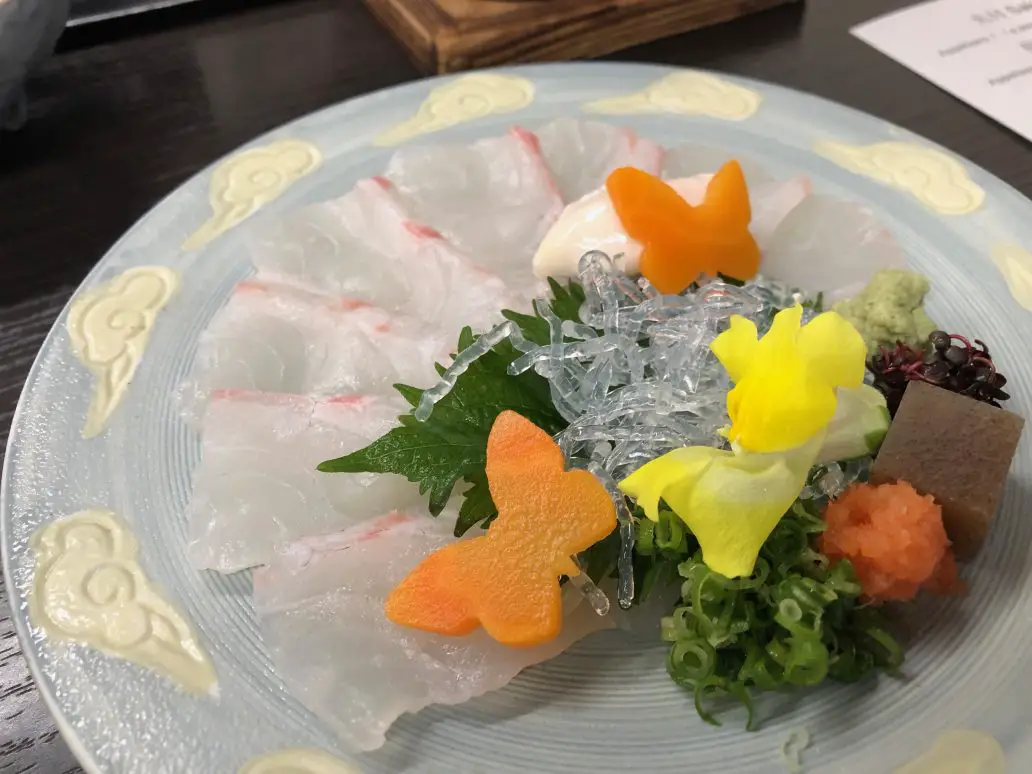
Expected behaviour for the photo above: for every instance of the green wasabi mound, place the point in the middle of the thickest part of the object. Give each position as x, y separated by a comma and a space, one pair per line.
890, 309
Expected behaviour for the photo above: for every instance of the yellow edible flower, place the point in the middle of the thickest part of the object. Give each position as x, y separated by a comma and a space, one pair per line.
785, 383
783, 399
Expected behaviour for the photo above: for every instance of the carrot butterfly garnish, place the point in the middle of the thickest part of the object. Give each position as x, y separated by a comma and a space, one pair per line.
682, 242
507, 581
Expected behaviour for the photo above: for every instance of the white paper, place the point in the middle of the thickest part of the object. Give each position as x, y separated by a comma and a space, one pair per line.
978, 50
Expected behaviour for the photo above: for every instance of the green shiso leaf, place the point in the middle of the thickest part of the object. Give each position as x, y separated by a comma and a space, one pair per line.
451, 445
566, 300
477, 506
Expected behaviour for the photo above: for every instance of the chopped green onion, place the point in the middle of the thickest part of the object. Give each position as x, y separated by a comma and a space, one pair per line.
646, 540
714, 686
693, 659
794, 622
670, 534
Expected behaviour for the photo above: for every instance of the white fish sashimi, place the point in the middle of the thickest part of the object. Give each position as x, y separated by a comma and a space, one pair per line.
257, 486
690, 159
830, 246
364, 246
271, 338
581, 154
320, 607
494, 199
324, 247
771, 203
591, 223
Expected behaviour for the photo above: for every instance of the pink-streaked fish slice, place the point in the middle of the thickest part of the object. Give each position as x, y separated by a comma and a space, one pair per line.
581, 154
364, 245
320, 608
830, 246
257, 487
271, 338
494, 198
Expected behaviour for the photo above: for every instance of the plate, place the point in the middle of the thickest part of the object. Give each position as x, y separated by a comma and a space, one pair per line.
607, 705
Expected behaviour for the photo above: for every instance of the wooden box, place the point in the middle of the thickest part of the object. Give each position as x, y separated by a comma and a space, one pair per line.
446, 36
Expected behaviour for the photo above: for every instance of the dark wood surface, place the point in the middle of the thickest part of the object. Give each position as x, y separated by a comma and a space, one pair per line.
447, 36
127, 111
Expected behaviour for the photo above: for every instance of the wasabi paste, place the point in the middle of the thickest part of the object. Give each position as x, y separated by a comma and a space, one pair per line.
890, 309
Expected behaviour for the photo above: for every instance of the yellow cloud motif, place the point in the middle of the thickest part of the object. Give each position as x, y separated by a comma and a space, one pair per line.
89, 587
243, 183
684, 93
297, 761
109, 327
960, 751
936, 179
1015, 264
463, 99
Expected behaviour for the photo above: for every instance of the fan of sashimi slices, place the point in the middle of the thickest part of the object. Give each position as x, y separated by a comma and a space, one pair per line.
352, 296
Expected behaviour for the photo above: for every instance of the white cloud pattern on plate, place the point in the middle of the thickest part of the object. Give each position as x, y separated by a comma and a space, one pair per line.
934, 178
298, 760
89, 588
960, 751
249, 180
109, 327
1015, 264
684, 93
463, 99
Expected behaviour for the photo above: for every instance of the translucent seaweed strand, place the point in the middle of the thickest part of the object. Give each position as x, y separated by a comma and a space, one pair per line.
463, 360
595, 596
625, 523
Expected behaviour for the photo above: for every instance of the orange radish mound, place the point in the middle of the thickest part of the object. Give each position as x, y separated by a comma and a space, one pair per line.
508, 579
682, 242
894, 538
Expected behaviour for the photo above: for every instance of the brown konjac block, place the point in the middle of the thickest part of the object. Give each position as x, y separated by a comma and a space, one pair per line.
955, 449
446, 36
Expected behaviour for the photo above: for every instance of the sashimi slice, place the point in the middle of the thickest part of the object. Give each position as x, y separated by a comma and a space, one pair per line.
320, 607
364, 246
591, 223
690, 159
494, 198
771, 204
581, 154
257, 488
271, 338
830, 246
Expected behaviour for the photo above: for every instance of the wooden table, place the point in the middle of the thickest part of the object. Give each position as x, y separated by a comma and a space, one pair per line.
126, 112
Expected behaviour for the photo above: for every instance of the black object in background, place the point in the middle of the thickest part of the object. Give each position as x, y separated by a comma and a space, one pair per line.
87, 11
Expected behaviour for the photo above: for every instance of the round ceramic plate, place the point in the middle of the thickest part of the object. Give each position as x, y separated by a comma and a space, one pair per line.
607, 705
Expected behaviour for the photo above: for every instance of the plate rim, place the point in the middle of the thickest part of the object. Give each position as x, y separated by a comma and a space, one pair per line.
358, 103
